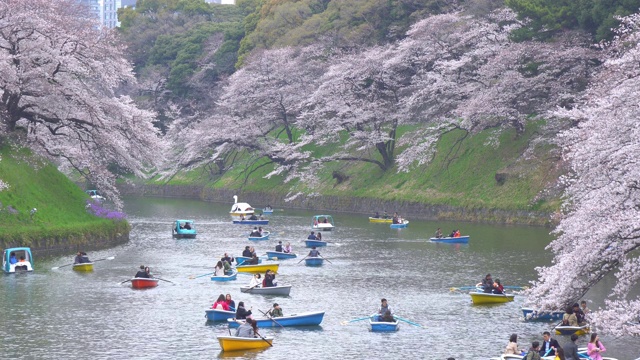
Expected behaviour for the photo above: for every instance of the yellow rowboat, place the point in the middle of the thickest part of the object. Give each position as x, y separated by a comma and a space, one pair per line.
380, 220
259, 268
83, 267
486, 298
570, 330
234, 343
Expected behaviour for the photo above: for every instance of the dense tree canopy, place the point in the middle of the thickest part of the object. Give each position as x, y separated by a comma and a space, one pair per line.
58, 80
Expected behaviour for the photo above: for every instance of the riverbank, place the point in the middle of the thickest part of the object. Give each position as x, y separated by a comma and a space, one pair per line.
42, 209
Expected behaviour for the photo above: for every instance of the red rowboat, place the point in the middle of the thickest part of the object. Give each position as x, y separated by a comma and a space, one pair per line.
143, 283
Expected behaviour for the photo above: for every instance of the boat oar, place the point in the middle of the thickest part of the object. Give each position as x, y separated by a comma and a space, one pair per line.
165, 280
107, 258
303, 259
265, 340
124, 282
271, 318
58, 267
195, 277
354, 320
325, 259
408, 322
547, 353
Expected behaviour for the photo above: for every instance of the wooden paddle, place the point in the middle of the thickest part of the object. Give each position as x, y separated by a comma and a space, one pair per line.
325, 259
345, 322
195, 277
124, 282
165, 280
270, 317
408, 322
265, 340
107, 258
303, 259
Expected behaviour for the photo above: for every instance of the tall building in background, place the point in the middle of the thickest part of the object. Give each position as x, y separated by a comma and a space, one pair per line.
105, 10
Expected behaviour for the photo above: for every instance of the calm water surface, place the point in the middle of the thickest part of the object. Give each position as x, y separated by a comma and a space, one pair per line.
62, 314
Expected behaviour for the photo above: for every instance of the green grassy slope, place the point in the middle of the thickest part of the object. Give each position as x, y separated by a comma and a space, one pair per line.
34, 183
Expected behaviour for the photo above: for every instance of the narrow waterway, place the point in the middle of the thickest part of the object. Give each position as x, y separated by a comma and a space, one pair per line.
62, 314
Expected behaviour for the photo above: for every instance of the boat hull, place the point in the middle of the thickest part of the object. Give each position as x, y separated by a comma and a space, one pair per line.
403, 225
570, 330
142, 283
83, 267
258, 269
223, 278
382, 326
485, 298
267, 212
18, 267
184, 236
280, 290
380, 220
281, 255
243, 259
233, 343
251, 222
304, 319
265, 236
452, 240
313, 261
316, 243
534, 315
219, 315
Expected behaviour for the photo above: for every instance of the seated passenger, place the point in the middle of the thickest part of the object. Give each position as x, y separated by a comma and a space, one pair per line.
569, 318
497, 287
13, 259
246, 252
276, 311
387, 317
141, 273
247, 330
253, 217
377, 215
255, 281
287, 248
254, 260
269, 277
279, 246
312, 236
78, 258
255, 233
84, 259
187, 226
314, 252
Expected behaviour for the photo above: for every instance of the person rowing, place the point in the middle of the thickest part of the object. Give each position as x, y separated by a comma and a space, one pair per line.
314, 252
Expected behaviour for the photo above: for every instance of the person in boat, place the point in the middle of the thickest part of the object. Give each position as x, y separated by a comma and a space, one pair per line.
260, 230
384, 307
221, 303
487, 283
287, 248
312, 236
595, 347
241, 312
227, 268
279, 246
141, 273
456, 233
438, 233
325, 221
84, 259
533, 353
253, 251
385, 216
315, 222
246, 252
219, 269
253, 217
12, 258
255, 233
187, 226
254, 260
497, 287
396, 218
78, 258
512, 346
549, 345
376, 215
181, 226
268, 208
319, 236
571, 349
580, 316
230, 302
387, 317
276, 311
269, 278
314, 252
247, 330
569, 318
255, 281
227, 258
583, 307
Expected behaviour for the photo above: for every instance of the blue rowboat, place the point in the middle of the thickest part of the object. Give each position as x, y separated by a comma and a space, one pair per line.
303, 319
381, 326
281, 255
251, 222
242, 259
534, 315
230, 277
313, 261
402, 225
24, 260
265, 236
316, 243
219, 315
452, 240
267, 211
184, 229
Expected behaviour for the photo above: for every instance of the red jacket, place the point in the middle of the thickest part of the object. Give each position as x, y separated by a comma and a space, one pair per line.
224, 305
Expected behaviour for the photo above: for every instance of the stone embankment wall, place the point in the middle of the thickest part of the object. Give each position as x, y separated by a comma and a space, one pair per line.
408, 209
71, 244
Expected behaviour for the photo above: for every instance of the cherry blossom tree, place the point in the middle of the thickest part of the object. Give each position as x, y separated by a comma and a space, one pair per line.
599, 234
58, 78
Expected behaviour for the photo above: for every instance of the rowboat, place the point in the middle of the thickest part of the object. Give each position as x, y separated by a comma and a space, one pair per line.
144, 283
184, 229
252, 222
313, 261
403, 224
219, 315
265, 236
534, 315
582, 351
382, 326
322, 223
238, 209
24, 260
234, 343
317, 243
452, 240
380, 220
95, 196
230, 277
487, 298
258, 269
280, 255
267, 211
83, 267
570, 330
280, 290
303, 319
242, 259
